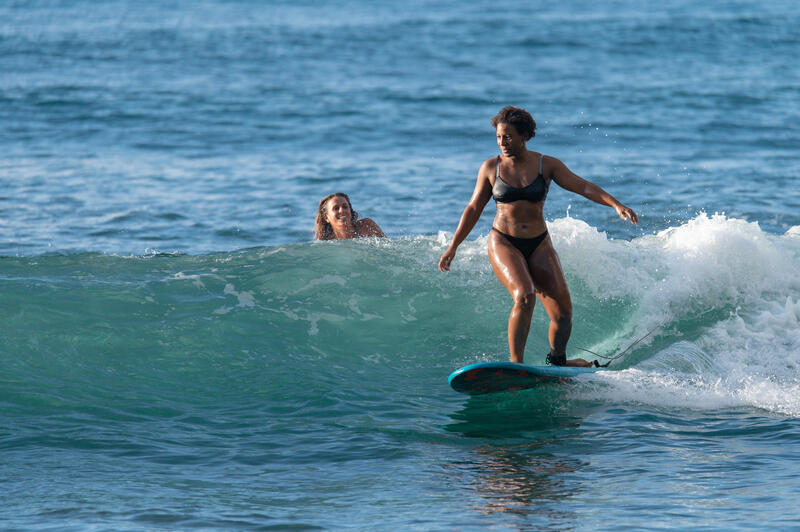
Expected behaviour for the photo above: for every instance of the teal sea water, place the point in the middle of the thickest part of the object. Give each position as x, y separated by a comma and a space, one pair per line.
177, 354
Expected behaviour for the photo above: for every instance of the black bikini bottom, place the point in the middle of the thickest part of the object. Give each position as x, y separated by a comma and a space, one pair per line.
526, 246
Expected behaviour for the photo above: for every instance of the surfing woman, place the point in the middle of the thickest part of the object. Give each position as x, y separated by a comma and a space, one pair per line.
336, 220
520, 248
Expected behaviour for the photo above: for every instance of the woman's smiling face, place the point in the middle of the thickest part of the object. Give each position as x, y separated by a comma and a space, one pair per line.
338, 211
510, 142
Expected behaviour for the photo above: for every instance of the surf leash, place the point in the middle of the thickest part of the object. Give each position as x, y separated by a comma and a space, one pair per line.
615, 357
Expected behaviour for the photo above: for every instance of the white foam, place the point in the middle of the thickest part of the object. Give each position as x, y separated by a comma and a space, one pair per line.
322, 281
794, 231
245, 298
712, 391
709, 265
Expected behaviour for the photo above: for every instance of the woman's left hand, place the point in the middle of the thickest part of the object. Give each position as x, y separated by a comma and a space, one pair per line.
626, 213
447, 258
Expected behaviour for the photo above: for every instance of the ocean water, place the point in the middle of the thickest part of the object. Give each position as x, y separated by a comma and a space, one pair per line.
177, 354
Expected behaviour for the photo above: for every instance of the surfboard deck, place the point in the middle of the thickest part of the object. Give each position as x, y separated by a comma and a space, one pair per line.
493, 377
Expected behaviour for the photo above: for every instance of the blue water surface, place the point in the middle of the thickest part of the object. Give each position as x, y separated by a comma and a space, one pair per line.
176, 354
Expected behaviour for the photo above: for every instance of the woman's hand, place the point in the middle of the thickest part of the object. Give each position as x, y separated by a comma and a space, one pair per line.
626, 213
447, 258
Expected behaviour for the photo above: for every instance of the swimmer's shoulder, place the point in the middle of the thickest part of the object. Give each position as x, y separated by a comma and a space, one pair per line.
368, 227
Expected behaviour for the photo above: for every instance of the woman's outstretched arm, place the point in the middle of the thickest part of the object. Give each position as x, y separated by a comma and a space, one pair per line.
567, 179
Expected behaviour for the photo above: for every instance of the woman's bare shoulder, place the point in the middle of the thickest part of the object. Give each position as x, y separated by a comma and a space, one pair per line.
551, 165
368, 227
489, 163
550, 160
488, 167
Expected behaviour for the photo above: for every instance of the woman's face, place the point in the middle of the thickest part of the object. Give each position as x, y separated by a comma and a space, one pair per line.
510, 142
338, 211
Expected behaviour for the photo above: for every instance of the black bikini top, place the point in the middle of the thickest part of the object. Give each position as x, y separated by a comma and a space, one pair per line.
536, 191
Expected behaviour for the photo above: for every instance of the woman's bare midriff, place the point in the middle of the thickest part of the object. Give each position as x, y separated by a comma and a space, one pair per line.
522, 219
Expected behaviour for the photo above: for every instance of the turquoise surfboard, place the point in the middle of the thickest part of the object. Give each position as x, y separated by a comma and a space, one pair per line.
492, 377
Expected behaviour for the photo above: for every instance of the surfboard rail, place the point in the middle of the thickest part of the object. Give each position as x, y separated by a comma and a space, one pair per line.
493, 377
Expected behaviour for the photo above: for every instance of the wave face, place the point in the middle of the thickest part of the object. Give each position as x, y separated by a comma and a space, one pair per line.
234, 371
721, 295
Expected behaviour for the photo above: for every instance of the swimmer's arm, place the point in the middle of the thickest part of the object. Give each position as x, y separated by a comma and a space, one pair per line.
470, 216
568, 180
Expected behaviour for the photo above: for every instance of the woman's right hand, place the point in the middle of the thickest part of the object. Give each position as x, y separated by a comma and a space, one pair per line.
626, 213
447, 258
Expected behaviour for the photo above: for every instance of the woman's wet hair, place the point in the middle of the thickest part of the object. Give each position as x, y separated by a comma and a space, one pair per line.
518, 117
322, 229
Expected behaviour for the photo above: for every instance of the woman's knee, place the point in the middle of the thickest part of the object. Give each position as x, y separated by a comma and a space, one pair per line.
524, 301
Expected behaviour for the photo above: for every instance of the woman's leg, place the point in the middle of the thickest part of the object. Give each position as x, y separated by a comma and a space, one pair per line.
552, 291
511, 270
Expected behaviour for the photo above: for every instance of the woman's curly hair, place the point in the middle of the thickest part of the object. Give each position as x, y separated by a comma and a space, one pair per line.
521, 119
323, 230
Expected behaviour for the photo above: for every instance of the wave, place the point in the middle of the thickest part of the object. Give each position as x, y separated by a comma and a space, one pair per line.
721, 297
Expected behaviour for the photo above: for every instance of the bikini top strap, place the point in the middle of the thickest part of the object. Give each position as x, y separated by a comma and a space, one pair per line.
497, 172
541, 158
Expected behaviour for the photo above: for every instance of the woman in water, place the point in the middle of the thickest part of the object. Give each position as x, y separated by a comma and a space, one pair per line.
336, 220
520, 249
